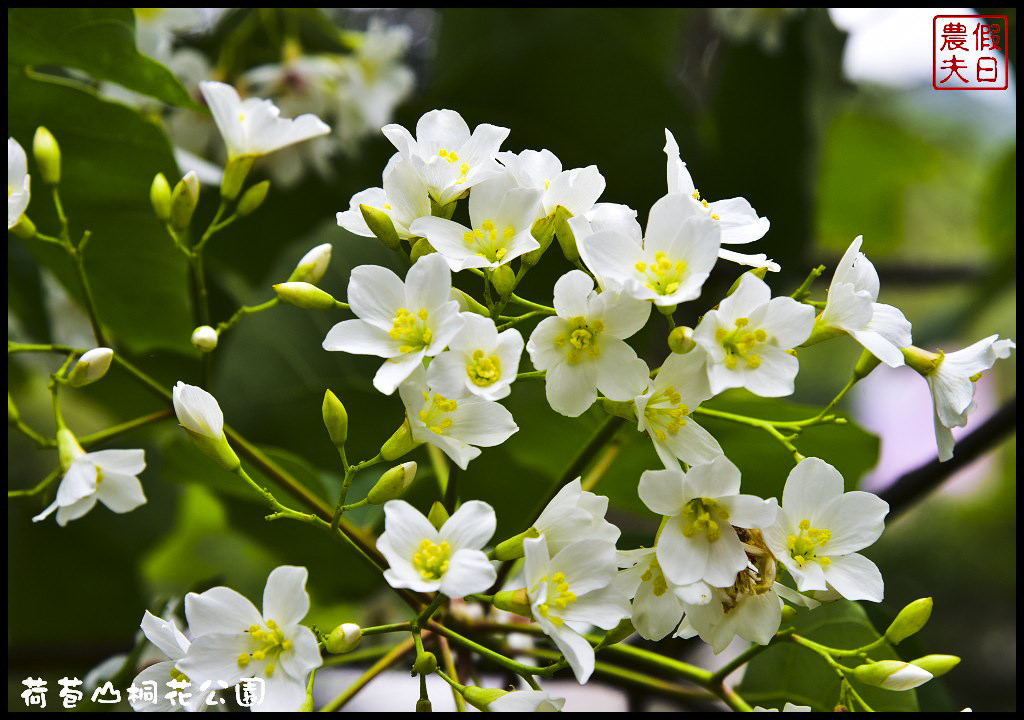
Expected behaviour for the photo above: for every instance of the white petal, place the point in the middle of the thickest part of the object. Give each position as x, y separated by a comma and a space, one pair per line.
447, 238
748, 511
215, 657
572, 291
220, 610
786, 320
679, 180
122, 462
760, 617
693, 444
725, 558
654, 617
471, 526
285, 600
570, 389
855, 519
683, 559
482, 422
667, 216
79, 482
879, 347
120, 493
198, 411
619, 373
603, 607
775, 376
394, 371
304, 655
575, 190
469, 571
811, 485
353, 220
588, 565
577, 651
405, 528
751, 293
855, 578
375, 294
715, 479
165, 635
283, 693
623, 316
662, 491
361, 338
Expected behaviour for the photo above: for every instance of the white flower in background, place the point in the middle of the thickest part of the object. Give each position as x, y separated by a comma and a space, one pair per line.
403, 322
253, 127
748, 337
739, 222
698, 542
450, 560
819, 530
582, 349
172, 643
575, 190
664, 411
155, 29
951, 379
459, 427
575, 514
788, 707
446, 156
110, 476
403, 198
672, 262
851, 308
658, 604
479, 361
232, 640
373, 81
17, 182
501, 215
527, 701
571, 591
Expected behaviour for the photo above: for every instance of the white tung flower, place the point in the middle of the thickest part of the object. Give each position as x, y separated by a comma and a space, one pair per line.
739, 221
172, 643
110, 476
851, 308
658, 603
450, 560
501, 215
527, 701
479, 361
198, 411
575, 190
952, 385
582, 349
819, 530
403, 199
17, 182
446, 156
664, 411
572, 591
253, 127
669, 265
750, 609
459, 427
575, 514
233, 640
403, 322
748, 337
699, 542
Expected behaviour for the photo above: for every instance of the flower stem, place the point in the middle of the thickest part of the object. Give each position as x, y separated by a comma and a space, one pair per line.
804, 291
246, 310
376, 669
43, 484
97, 437
450, 675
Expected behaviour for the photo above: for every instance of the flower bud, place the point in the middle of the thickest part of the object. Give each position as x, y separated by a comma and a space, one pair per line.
313, 265
680, 340
47, 154
443, 211
201, 417
253, 198
564, 233
381, 226
344, 638
923, 361
67, 448
335, 419
234, 176
423, 705
420, 248
392, 484
937, 665
481, 698
619, 633
304, 295
788, 613
760, 272
160, 197
25, 228
504, 280
909, 620
399, 444
513, 601
620, 408
865, 364
437, 516
892, 675
425, 664
512, 549
204, 338
90, 367
184, 200
543, 232
468, 303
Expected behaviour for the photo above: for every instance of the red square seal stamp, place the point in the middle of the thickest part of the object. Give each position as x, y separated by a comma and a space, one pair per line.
969, 52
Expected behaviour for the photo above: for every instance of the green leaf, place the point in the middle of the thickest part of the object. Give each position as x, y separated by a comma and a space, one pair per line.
99, 41
110, 154
789, 672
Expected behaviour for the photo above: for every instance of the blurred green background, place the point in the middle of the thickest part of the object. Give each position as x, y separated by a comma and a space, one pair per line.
920, 174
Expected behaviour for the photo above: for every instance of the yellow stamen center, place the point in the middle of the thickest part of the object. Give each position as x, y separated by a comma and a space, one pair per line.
437, 411
655, 576
432, 560
269, 643
489, 242
663, 275
665, 413
804, 547
704, 515
559, 597
484, 370
740, 343
411, 329
581, 339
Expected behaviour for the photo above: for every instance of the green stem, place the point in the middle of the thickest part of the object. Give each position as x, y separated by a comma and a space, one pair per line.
522, 302
97, 437
429, 610
62, 217
532, 375
43, 484
804, 291
393, 627
746, 656
452, 674
41, 442
90, 302
492, 655
835, 401
350, 473
246, 310
376, 669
